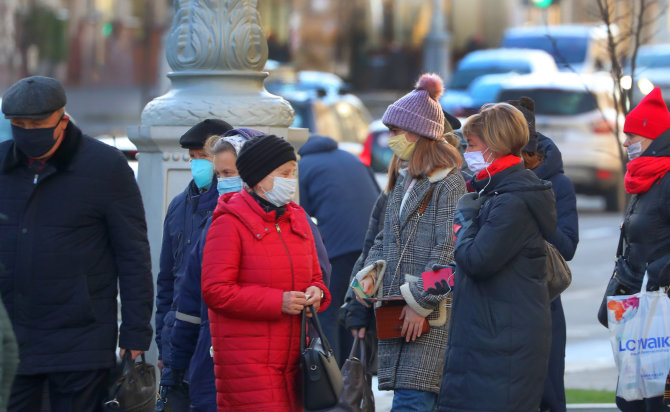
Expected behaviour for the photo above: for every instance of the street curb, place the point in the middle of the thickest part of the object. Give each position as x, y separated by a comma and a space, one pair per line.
592, 407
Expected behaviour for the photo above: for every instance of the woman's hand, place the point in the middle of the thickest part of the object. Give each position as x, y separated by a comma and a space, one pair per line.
368, 286
412, 324
293, 302
314, 294
360, 332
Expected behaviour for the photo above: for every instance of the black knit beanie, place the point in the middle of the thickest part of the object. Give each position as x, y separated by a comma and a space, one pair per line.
260, 156
526, 105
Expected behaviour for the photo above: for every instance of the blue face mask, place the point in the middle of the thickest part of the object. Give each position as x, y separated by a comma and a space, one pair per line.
203, 171
228, 184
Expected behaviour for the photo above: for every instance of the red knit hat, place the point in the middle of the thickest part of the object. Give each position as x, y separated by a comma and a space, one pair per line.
650, 117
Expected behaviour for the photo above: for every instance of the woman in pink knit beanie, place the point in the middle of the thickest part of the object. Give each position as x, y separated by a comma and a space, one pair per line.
424, 187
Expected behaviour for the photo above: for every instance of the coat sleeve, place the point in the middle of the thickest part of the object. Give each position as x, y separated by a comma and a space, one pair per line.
566, 236
324, 263
187, 322
220, 271
488, 246
317, 280
442, 251
128, 238
165, 279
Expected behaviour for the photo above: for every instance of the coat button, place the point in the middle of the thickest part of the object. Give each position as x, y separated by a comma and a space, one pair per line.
266, 229
24, 230
258, 236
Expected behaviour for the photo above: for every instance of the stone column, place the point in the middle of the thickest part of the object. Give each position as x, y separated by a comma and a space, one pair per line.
436, 48
217, 51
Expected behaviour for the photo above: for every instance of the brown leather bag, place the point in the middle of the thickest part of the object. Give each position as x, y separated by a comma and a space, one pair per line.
389, 325
388, 309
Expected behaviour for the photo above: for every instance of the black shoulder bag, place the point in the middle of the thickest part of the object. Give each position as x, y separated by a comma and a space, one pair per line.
321, 377
617, 285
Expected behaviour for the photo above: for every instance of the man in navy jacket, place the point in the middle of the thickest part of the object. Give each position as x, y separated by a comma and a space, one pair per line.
75, 228
185, 219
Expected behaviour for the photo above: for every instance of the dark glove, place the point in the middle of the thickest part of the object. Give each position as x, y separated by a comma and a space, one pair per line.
443, 286
467, 209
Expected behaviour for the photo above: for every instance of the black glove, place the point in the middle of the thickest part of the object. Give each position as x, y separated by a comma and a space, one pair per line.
467, 209
441, 288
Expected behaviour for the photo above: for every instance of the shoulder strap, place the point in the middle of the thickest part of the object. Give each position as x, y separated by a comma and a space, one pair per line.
426, 200
619, 249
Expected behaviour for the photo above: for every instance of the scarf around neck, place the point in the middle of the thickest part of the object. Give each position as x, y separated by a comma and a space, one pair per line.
499, 165
643, 172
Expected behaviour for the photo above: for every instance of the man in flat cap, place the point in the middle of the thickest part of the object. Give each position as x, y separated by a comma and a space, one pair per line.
186, 215
75, 228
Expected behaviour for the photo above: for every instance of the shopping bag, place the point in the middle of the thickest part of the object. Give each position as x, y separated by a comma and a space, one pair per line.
639, 327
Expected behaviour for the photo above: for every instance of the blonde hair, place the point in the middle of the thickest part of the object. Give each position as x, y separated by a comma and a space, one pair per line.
501, 127
429, 155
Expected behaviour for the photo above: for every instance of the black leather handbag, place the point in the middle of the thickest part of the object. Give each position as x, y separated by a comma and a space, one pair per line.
321, 377
134, 389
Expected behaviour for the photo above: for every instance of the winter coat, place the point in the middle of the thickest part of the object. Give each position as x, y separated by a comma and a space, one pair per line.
251, 258
74, 229
417, 365
9, 356
191, 337
186, 217
500, 335
339, 191
565, 238
646, 226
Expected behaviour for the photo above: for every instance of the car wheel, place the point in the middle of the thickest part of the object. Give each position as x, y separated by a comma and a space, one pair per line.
615, 199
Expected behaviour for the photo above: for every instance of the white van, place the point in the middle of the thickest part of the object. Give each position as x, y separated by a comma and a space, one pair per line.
580, 47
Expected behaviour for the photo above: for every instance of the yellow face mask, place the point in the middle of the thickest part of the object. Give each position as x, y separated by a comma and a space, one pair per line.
401, 147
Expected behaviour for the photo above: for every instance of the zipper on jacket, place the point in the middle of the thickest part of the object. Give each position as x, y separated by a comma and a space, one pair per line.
292, 288
35, 179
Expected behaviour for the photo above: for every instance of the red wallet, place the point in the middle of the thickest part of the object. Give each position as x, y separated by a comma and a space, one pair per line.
430, 277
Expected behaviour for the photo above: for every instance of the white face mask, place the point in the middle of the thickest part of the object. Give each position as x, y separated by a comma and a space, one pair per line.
476, 162
634, 150
282, 192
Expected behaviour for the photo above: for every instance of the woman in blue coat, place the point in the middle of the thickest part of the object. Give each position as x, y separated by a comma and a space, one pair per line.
543, 157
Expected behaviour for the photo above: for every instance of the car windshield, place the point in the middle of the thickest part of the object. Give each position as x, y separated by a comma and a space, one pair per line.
554, 102
484, 93
466, 74
564, 49
654, 61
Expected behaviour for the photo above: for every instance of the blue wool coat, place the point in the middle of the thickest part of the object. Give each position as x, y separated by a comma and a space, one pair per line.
185, 219
339, 191
191, 337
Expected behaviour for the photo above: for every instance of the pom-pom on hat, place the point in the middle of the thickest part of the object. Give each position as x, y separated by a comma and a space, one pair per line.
419, 111
650, 117
260, 156
526, 105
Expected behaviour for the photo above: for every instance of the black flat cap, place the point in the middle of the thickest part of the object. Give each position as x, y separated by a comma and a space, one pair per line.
197, 135
35, 97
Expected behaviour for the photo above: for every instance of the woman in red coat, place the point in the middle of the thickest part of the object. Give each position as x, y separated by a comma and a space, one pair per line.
259, 270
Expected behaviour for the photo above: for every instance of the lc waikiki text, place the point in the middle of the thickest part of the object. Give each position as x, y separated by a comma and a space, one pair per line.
634, 345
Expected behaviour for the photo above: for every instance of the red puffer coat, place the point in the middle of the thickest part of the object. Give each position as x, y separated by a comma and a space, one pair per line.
250, 260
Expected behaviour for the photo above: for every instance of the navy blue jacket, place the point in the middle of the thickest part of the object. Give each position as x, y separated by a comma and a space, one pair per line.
191, 337
339, 191
74, 228
185, 219
566, 236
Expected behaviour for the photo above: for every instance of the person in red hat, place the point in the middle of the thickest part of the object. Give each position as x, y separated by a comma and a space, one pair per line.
646, 223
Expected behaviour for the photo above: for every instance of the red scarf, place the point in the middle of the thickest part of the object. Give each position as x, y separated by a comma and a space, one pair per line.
499, 165
643, 172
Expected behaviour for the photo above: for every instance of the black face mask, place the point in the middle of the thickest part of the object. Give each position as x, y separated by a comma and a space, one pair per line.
34, 142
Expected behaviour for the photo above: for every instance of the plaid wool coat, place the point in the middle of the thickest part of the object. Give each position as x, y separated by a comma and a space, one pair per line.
427, 241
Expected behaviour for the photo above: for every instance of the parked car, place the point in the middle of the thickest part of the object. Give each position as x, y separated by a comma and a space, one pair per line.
321, 84
492, 61
343, 118
652, 68
582, 48
578, 113
482, 90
